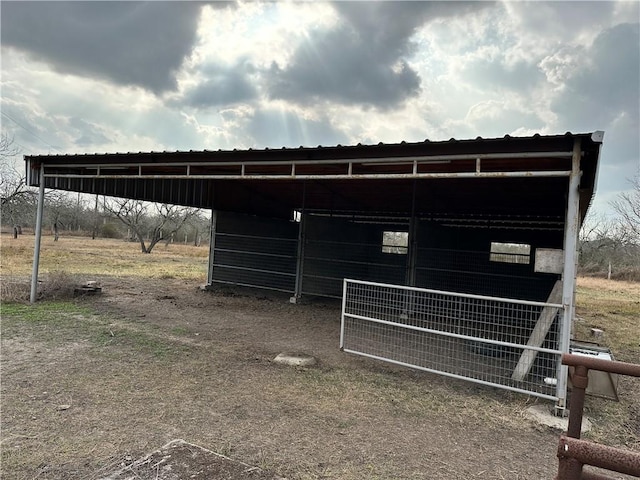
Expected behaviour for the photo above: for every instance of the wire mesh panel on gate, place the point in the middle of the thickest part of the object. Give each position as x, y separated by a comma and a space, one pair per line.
467, 336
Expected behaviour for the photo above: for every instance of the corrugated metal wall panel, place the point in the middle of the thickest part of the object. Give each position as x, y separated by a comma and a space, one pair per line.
459, 260
262, 252
255, 251
336, 249
253, 278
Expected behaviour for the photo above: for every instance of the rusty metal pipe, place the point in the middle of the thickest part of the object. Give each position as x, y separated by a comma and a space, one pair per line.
580, 380
568, 468
586, 475
590, 453
610, 366
574, 453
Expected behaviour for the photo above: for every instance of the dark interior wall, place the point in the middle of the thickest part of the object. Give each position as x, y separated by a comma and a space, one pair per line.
255, 251
337, 248
457, 258
262, 252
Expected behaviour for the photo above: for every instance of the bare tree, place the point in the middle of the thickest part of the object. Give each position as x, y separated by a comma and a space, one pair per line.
60, 211
16, 199
627, 205
199, 226
611, 246
12, 183
159, 221
598, 244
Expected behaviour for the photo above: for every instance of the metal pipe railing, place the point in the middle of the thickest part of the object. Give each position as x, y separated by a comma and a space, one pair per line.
609, 458
574, 453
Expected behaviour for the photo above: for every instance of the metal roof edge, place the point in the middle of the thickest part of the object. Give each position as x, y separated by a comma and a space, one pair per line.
596, 137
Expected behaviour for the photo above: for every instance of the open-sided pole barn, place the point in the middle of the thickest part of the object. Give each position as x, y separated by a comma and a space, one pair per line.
473, 241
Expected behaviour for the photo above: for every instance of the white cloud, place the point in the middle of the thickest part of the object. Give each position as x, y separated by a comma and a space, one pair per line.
275, 74
548, 22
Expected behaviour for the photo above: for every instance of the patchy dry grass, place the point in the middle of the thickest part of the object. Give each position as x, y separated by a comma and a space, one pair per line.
52, 286
87, 257
85, 393
614, 307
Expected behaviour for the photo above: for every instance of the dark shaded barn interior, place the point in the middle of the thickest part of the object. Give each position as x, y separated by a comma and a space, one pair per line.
426, 214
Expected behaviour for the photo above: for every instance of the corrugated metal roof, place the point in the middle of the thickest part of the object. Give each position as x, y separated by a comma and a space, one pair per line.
515, 176
426, 141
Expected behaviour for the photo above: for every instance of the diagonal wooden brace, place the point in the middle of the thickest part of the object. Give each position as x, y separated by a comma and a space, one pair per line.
539, 333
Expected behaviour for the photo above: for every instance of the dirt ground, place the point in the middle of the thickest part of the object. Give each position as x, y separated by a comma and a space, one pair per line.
179, 459
152, 360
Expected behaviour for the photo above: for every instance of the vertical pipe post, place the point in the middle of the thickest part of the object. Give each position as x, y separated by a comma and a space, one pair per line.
580, 381
36, 248
212, 245
570, 468
95, 218
344, 309
571, 229
412, 244
412, 251
300, 250
300, 258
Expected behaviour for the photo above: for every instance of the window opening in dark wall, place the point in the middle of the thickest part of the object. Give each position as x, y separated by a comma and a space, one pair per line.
510, 253
395, 242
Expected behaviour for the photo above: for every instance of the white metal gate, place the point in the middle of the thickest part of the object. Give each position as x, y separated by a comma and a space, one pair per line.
505, 343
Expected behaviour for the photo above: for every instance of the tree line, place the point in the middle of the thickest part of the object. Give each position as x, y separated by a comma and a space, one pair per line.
611, 246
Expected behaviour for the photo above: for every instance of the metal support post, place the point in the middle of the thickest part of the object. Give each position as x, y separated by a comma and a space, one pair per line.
300, 258
412, 243
344, 309
410, 266
412, 252
300, 251
571, 229
212, 246
36, 248
580, 381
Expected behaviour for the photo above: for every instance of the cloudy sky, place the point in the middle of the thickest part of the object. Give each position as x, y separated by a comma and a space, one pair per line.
127, 76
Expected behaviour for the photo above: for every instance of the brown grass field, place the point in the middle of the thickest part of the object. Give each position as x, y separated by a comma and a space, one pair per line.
91, 383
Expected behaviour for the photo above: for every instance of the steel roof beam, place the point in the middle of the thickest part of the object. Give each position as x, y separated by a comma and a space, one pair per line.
338, 176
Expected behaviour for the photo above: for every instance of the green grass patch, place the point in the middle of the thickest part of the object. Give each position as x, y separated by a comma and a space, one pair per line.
61, 315
181, 331
58, 322
43, 311
138, 341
